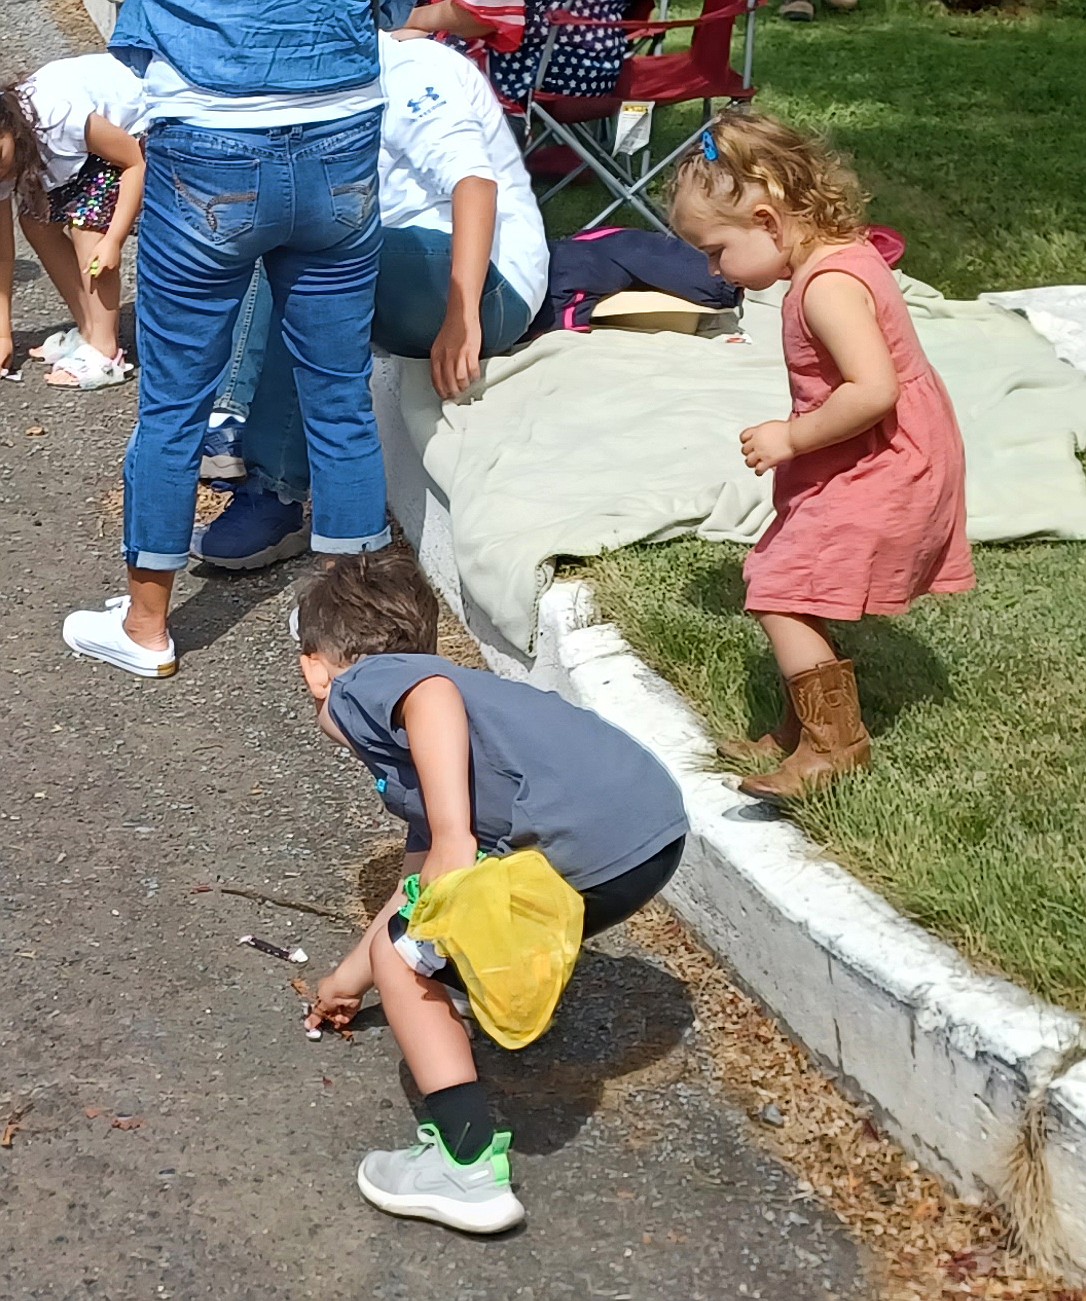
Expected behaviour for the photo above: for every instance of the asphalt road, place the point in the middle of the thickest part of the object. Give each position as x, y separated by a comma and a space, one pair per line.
183, 1138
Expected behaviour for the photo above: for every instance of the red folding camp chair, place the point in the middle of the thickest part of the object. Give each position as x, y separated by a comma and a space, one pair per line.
587, 125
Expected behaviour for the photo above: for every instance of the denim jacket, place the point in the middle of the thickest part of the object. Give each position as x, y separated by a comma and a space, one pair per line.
253, 47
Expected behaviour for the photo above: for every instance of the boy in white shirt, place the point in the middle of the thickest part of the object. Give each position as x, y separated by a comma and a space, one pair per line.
463, 272
453, 182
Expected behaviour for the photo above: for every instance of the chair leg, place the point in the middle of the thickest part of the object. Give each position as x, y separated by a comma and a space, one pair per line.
559, 186
602, 167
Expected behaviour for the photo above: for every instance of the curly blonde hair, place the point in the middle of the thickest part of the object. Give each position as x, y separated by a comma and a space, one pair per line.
740, 151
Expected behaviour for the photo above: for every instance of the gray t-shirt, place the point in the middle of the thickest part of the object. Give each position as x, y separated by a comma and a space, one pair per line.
543, 772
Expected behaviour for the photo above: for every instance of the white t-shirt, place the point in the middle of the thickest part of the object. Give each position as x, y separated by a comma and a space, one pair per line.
169, 95
442, 124
64, 95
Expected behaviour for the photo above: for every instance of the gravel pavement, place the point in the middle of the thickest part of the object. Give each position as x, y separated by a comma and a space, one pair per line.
180, 1137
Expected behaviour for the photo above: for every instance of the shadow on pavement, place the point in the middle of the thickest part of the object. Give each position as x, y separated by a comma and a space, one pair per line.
224, 599
617, 1030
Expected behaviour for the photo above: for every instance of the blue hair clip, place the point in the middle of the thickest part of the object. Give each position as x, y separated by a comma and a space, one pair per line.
708, 146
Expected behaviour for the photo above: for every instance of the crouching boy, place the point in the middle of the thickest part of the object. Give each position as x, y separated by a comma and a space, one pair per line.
469, 761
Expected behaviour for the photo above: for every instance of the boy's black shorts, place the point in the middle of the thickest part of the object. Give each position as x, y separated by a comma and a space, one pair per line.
612, 902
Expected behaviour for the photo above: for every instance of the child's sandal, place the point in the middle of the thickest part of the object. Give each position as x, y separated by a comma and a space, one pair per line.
60, 344
88, 369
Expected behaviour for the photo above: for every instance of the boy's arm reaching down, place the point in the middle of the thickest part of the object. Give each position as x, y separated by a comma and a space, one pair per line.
436, 723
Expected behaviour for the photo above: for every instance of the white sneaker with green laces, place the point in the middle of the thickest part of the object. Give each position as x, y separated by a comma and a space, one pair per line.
426, 1183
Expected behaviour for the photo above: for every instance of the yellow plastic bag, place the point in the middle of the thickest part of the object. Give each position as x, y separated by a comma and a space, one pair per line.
512, 928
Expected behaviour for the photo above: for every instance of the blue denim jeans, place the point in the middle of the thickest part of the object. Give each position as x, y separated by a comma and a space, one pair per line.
304, 200
412, 295
243, 374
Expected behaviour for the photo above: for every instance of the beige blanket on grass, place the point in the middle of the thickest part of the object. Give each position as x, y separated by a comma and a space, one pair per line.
581, 443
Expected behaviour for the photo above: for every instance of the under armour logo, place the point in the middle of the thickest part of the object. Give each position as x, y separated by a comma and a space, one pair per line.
429, 96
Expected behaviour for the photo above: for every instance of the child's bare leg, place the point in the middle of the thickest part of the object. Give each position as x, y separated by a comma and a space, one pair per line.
436, 1048
58, 257
101, 295
431, 1036
832, 737
357, 967
799, 642
459, 1174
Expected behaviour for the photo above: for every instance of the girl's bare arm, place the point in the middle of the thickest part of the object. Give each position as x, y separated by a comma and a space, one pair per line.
841, 315
7, 281
121, 149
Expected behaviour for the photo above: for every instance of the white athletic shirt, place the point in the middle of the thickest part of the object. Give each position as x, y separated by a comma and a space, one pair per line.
169, 95
64, 94
442, 124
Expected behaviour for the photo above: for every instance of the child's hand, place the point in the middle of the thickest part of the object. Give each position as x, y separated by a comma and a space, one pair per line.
105, 256
448, 856
454, 358
767, 445
337, 1003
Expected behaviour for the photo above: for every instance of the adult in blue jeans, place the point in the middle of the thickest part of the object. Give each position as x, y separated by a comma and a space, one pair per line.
263, 146
463, 270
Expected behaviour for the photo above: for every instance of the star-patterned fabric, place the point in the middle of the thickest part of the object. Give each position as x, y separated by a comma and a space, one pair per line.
586, 61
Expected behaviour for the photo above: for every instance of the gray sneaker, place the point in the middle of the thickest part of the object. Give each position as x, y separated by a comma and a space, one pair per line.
425, 1183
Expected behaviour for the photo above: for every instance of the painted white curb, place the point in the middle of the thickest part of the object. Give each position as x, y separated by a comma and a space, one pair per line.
948, 1058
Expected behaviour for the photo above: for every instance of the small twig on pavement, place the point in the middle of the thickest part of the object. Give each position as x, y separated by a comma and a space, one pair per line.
299, 905
13, 1125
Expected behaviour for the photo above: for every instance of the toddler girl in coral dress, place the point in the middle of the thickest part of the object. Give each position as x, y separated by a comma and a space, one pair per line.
869, 468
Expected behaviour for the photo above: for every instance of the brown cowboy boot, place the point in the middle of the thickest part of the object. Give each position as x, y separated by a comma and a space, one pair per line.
833, 739
774, 745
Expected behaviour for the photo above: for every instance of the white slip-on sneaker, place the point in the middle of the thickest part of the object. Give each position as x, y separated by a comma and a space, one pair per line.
100, 635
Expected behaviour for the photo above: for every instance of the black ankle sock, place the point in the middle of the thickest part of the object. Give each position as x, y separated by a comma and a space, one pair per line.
463, 1119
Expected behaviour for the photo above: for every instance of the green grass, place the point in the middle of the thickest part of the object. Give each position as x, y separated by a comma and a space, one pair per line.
972, 819
970, 132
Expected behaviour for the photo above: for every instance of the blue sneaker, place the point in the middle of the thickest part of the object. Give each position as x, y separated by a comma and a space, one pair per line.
222, 447
256, 529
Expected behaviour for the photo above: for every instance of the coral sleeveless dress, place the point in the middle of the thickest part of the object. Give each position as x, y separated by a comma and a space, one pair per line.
867, 525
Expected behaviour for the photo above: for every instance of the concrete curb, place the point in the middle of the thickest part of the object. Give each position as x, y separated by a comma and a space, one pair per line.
949, 1059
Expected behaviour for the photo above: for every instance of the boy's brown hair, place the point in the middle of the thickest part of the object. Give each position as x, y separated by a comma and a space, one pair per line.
376, 603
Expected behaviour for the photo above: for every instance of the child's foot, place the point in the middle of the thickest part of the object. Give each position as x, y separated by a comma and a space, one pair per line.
742, 751
775, 745
832, 741
222, 447
57, 346
86, 369
256, 529
425, 1183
